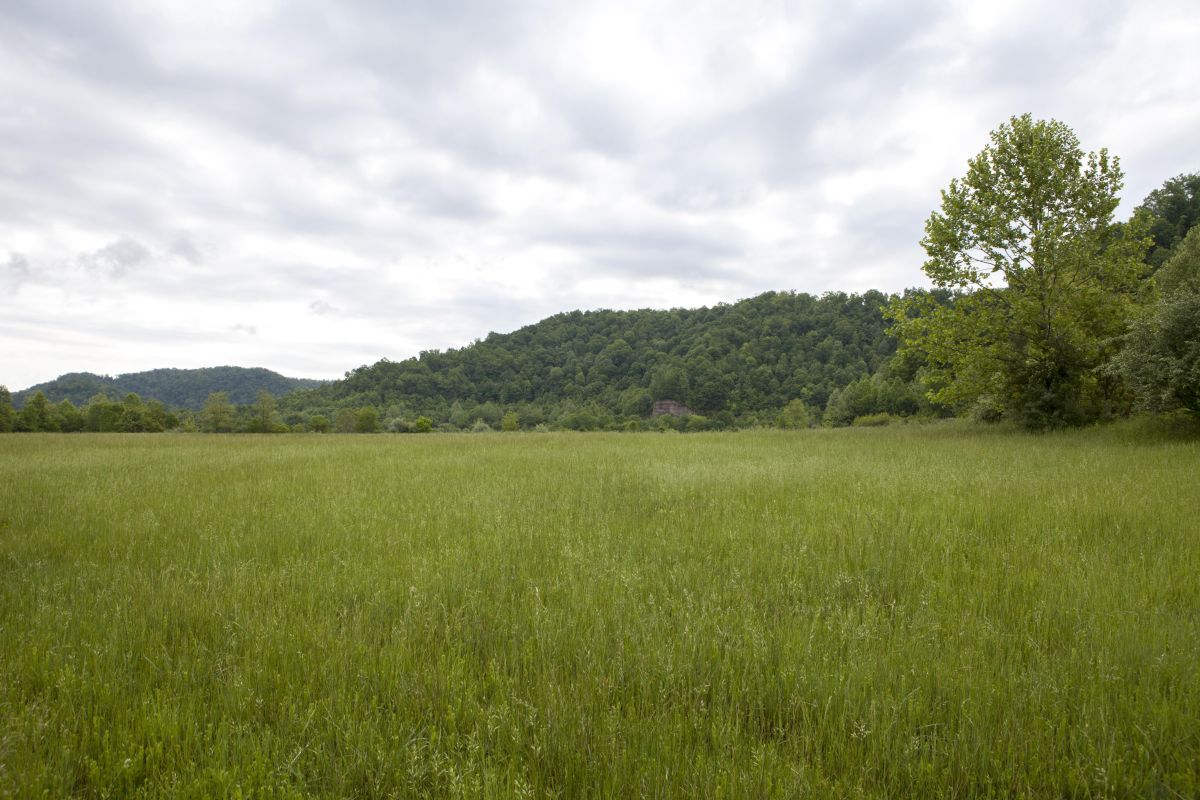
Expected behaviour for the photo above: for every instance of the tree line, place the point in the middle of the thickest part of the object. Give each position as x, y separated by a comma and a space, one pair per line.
178, 388
1044, 310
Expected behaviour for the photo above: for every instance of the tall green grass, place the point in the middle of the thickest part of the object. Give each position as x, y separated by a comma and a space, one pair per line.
933, 612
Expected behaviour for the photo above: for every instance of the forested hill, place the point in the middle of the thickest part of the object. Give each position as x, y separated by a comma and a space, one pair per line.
178, 388
730, 359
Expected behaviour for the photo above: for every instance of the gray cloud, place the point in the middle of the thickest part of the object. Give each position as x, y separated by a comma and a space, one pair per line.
116, 258
187, 249
320, 307
14, 272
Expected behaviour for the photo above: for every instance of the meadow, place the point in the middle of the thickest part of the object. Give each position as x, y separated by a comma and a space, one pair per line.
937, 611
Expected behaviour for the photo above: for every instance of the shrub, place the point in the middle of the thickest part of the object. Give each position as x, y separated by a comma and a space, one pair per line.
366, 420
986, 409
794, 415
874, 420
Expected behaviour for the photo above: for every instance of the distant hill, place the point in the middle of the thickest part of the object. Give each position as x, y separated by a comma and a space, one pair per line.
176, 388
731, 359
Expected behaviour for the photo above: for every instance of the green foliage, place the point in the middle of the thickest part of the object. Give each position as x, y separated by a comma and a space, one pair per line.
878, 420
8, 416
985, 410
102, 415
70, 419
872, 395
818, 614
345, 420
133, 415
1162, 356
37, 415
217, 414
423, 425
181, 388
366, 420
669, 382
795, 415
1160, 360
318, 423
262, 418
601, 369
1182, 271
510, 422
1047, 280
1175, 210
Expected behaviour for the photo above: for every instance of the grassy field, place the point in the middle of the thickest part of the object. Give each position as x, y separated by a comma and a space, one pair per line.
932, 612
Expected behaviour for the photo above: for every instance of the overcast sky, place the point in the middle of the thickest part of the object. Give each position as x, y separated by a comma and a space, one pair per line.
312, 186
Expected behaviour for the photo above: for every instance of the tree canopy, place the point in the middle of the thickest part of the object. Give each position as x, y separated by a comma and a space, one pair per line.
731, 361
1044, 278
1161, 356
178, 388
1175, 209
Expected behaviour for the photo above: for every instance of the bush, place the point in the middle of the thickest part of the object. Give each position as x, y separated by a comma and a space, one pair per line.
871, 395
874, 420
398, 425
794, 415
423, 425
986, 409
366, 420
344, 422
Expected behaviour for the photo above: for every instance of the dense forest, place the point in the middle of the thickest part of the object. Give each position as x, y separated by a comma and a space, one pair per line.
732, 364
178, 388
1044, 311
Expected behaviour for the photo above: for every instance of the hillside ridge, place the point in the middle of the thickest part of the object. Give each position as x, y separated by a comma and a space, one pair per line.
179, 388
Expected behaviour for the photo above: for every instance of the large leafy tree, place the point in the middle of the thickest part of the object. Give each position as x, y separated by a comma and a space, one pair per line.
1043, 278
